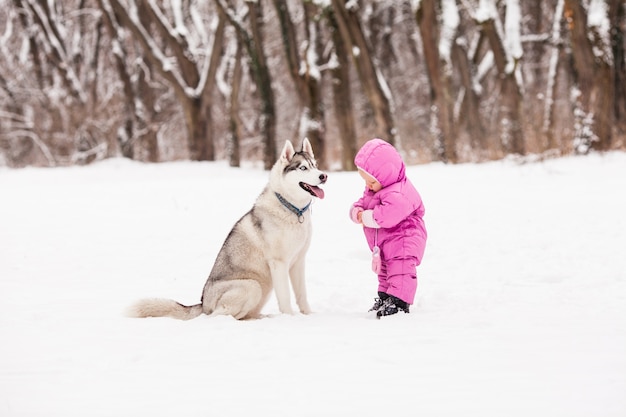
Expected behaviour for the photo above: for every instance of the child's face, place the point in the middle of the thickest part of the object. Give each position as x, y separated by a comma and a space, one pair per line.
370, 182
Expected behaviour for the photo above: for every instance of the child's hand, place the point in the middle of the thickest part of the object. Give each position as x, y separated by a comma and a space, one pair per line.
355, 214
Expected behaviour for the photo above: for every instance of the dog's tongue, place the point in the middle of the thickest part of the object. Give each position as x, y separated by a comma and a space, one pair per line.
319, 193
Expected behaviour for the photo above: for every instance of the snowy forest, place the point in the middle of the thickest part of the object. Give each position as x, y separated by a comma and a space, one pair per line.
443, 80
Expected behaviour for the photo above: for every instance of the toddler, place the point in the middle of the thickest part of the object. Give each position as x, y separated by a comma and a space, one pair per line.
391, 212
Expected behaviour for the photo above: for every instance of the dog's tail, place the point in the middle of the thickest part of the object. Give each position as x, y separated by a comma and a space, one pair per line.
161, 307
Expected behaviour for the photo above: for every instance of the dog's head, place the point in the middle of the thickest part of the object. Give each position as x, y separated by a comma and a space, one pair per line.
299, 169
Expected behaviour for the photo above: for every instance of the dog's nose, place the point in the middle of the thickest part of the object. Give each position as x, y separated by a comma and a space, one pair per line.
323, 178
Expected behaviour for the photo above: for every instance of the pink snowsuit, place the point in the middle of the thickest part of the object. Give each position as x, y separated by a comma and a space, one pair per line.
398, 210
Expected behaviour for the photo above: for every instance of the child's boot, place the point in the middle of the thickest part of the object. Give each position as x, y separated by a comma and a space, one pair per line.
379, 301
391, 305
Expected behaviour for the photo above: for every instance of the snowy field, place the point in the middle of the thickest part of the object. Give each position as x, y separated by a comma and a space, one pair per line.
521, 305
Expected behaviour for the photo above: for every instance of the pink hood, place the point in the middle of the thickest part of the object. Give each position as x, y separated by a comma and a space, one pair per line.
397, 207
381, 160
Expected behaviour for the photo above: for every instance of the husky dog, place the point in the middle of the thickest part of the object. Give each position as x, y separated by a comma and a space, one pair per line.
265, 249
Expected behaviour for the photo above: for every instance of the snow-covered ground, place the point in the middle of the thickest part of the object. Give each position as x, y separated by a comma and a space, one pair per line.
521, 305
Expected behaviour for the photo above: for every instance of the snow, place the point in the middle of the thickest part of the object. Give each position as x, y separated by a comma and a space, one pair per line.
55, 43
449, 25
323, 4
177, 11
597, 17
352, 5
552, 69
600, 30
520, 307
415, 5
513, 31
486, 10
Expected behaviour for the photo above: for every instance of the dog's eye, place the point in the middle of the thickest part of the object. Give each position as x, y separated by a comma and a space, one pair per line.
303, 168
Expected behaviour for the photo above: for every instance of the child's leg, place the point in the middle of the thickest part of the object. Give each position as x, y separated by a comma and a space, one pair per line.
383, 285
401, 281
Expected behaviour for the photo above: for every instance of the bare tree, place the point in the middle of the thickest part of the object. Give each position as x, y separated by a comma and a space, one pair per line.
372, 81
548, 128
440, 75
304, 68
69, 128
253, 42
617, 14
507, 60
593, 70
342, 95
191, 80
468, 118
236, 125
128, 133
457, 80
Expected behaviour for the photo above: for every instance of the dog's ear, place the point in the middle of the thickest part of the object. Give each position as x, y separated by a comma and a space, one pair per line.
288, 152
306, 147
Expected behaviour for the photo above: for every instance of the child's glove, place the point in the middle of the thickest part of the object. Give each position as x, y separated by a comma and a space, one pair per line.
354, 214
376, 259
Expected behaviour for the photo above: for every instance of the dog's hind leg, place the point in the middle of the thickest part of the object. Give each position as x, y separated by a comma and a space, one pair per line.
241, 298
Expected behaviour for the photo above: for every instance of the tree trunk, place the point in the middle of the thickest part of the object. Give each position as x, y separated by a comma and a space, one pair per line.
469, 117
129, 100
617, 11
260, 73
305, 74
511, 134
342, 98
235, 124
146, 144
184, 78
206, 90
375, 88
264, 84
439, 74
594, 77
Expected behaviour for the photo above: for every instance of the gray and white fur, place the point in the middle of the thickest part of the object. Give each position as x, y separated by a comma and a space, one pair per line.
265, 249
